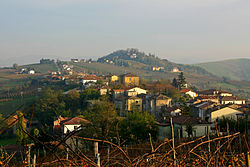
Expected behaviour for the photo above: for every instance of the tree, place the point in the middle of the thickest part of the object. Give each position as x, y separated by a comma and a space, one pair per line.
185, 110
49, 107
15, 66
2, 123
72, 101
137, 126
181, 80
175, 83
189, 129
103, 118
21, 129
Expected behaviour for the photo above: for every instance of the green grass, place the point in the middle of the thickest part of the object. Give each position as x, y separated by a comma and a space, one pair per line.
10, 106
238, 69
7, 141
41, 68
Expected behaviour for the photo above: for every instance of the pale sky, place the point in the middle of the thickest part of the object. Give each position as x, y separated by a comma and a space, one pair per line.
183, 31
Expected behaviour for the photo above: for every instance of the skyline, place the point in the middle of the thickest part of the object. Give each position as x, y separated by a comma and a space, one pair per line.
180, 31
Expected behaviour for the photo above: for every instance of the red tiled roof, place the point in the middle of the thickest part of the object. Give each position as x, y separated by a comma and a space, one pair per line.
119, 90
91, 78
185, 90
208, 97
74, 121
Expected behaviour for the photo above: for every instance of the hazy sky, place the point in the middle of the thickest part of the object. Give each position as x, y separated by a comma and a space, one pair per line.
184, 31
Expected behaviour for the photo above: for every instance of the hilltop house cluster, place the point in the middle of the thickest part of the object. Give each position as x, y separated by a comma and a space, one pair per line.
206, 106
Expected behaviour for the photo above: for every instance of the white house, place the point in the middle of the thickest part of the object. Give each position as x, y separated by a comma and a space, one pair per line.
232, 100
31, 72
175, 69
135, 91
181, 123
70, 124
90, 79
225, 112
189, 92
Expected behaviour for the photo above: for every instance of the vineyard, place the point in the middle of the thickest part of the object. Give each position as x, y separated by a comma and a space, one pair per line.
72, 150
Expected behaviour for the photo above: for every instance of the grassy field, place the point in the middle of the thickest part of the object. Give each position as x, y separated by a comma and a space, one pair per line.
41, 68
8, 107
238, 69
4, 142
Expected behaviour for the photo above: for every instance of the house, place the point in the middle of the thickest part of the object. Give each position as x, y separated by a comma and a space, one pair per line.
170, 111
117, 93
134, 91
200, 109
226, 112
214, 99
70, 124
209, 92
83, 60
156, 102
56, 123
74, 60
231, 100
181, 125
113, 78
104, 90
199, 127
189, 92
133, 103
31, 72
175, 69
224, 93
133, 56
90, 79
158, 68
129, 80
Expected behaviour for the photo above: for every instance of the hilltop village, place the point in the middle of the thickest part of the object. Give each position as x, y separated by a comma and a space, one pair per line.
194, 112
68, 103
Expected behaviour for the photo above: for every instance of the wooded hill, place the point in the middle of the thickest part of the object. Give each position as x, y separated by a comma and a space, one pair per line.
135, 58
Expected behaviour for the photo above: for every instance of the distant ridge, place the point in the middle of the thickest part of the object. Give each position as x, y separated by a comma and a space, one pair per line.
235, 69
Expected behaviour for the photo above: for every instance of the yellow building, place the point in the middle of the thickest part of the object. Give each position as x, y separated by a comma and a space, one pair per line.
133, 102
114, 78
129, 80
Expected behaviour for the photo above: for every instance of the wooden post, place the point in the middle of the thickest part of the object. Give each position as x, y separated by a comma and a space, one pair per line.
208, 138
150, 139
172, 128
98, 160
67, 155
248, 159
44, 152
108, 153
28, 156
34, 161
96, 148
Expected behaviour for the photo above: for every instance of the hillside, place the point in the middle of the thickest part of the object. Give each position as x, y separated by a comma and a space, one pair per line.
135, 58
236, 69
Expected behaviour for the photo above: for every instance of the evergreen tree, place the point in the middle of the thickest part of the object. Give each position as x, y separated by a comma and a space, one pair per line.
181, 80
21, 129
175, 83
